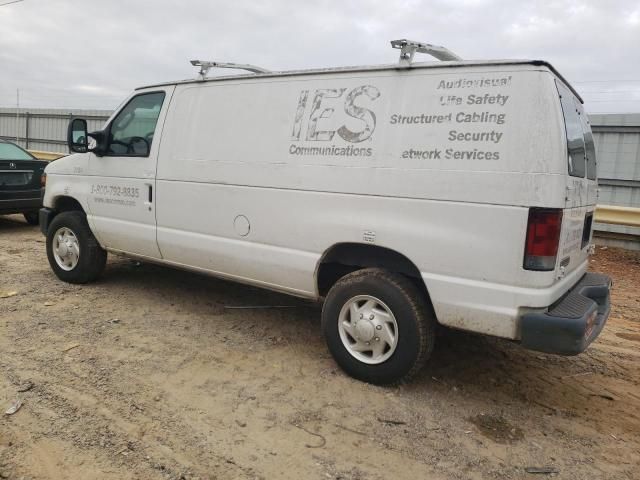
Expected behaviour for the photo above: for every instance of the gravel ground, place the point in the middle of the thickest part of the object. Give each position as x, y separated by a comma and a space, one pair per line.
147, 374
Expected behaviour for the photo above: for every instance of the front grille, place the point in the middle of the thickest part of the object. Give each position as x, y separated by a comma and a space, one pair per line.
15, 178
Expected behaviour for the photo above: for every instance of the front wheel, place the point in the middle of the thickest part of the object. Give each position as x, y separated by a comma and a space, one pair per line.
378, 326
73, 252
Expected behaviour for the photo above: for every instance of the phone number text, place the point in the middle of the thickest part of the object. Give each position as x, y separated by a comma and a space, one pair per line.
115, 191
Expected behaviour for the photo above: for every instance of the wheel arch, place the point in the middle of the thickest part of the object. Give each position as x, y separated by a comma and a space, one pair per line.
65, 203
58, 205
343, 258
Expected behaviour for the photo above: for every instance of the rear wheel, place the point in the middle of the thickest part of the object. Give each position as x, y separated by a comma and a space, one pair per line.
73, 252
31, 218
378, 326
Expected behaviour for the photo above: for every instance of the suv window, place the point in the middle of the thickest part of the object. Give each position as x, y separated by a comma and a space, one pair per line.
131, 132
575, 132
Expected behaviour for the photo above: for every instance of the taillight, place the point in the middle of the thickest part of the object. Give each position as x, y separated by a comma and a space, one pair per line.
43, 180
543, 237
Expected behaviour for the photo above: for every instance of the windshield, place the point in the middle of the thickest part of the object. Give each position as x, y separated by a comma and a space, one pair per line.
9, 151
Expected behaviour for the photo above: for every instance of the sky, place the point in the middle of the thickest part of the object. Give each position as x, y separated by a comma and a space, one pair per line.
91, 54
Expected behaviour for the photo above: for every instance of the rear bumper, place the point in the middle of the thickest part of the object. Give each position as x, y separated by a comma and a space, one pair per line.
573, 322
19, 205
492, 308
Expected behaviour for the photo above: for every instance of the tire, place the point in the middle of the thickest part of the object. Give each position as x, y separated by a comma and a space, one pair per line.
91, 258
31, 218
390, 293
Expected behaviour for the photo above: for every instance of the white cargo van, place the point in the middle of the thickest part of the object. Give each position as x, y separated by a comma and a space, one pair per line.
458, 193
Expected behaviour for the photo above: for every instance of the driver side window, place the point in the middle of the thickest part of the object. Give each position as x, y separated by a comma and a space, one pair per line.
131, 132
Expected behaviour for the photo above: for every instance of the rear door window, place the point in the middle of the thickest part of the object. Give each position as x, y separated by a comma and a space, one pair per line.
575, 132
590, 148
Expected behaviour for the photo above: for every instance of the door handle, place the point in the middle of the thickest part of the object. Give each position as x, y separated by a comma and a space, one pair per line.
149, 200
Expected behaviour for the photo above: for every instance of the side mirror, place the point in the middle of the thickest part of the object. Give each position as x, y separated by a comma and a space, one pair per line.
77, 137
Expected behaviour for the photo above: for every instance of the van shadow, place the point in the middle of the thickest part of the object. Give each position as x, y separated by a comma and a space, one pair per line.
478, 366
11, 223
497, 373
467, 358
199, 293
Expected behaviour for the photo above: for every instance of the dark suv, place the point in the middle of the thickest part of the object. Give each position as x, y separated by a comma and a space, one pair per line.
20, 182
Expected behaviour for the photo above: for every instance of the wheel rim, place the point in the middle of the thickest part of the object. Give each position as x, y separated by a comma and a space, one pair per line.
66, 249
368, 329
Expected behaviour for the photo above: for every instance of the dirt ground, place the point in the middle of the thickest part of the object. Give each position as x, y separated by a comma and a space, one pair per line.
147, 374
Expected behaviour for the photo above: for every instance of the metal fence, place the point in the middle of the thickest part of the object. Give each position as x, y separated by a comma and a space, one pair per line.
617, 138
45, 129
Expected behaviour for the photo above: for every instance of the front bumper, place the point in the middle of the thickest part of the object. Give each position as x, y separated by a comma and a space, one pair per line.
45, 216
573, 322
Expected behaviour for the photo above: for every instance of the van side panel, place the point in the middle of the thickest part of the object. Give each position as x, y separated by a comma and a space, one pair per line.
441, 167
386, 134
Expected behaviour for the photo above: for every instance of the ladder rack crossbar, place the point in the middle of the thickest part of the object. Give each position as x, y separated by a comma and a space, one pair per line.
408, 48
205, 66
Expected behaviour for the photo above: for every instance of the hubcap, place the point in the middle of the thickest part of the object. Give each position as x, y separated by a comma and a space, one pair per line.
66, 249
368, 329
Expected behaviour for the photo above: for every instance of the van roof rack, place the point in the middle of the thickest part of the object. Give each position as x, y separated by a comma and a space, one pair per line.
408, 49
206, 66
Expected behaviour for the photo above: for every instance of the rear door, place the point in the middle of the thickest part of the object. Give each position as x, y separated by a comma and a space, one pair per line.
581, 186
122, 191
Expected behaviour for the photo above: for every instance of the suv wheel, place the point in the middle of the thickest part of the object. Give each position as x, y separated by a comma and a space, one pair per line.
378, 326
73, 252
31, 218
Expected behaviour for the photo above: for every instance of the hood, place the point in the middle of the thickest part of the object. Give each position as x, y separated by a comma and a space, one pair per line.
74, 164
